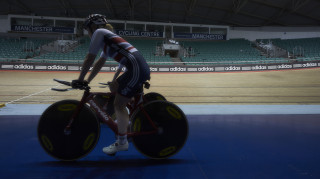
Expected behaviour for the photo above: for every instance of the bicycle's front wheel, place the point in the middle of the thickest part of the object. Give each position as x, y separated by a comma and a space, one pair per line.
172, 129
74, 144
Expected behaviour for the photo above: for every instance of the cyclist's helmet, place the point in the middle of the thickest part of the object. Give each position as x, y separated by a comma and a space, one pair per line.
97, 19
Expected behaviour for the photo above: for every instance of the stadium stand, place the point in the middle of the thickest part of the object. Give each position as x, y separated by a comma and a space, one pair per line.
74, 55
146, 46
305, 49
19, 48
234, 51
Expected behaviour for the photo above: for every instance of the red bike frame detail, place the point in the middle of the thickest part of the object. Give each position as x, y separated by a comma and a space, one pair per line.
137, 103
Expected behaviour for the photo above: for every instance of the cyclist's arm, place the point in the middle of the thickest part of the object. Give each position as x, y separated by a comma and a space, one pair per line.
86, 65
96, 68
96, 44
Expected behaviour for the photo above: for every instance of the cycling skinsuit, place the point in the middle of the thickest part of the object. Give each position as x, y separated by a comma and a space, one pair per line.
113, 46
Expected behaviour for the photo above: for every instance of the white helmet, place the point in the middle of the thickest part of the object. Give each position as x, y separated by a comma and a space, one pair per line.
97, 19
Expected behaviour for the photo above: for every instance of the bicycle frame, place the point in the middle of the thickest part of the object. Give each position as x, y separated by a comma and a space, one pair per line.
88, 97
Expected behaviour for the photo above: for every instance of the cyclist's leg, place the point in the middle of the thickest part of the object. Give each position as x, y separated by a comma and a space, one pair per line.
128, 85
122, 115
123, 96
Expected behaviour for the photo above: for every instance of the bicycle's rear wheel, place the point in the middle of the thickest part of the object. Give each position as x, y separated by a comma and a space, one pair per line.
172, 129
85, 131
153, 96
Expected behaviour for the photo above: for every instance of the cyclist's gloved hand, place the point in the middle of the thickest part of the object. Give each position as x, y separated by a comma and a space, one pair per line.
77, 84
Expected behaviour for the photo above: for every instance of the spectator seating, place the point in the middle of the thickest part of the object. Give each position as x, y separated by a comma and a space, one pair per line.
305, 49
234, 51
20, 48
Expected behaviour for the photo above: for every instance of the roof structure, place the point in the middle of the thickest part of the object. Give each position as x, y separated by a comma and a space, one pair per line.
234, 13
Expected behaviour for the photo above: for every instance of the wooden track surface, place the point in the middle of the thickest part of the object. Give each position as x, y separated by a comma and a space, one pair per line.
270, 87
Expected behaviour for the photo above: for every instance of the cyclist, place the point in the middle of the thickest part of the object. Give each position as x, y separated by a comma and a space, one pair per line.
125, 86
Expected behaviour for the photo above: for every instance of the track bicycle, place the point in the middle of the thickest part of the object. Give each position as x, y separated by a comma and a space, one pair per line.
69, 129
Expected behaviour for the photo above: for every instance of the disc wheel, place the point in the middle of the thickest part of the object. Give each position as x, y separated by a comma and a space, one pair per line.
171, 134
153, 96
83, 136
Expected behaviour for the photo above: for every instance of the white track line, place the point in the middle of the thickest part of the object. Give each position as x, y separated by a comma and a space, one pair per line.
31, 95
